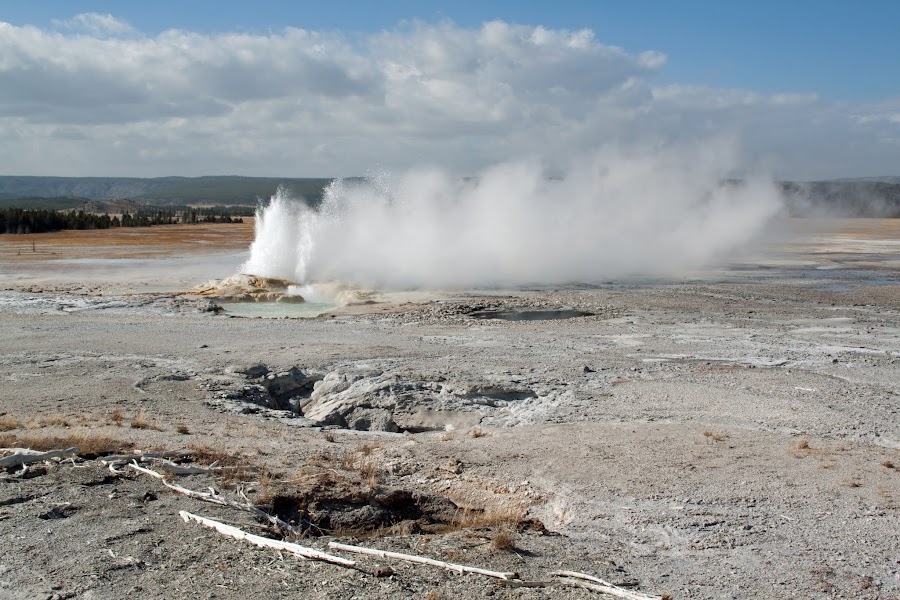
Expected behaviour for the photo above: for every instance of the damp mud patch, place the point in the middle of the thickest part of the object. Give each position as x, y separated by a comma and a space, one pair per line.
528, 314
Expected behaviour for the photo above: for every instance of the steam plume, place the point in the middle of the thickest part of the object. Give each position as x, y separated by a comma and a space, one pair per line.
612, 214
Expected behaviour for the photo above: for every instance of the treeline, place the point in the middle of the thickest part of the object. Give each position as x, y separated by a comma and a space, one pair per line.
877, 199
19, 220
213, 211
163, 191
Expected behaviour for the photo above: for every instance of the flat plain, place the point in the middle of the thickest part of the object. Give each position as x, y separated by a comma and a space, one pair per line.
731, 433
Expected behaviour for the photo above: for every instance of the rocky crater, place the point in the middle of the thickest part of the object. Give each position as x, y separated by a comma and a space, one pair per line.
368, 397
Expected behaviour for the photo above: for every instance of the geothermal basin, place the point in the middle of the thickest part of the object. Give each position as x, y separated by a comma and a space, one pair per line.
733, 428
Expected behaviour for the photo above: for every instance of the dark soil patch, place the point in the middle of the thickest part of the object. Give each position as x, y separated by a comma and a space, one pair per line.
356, 511
528, 314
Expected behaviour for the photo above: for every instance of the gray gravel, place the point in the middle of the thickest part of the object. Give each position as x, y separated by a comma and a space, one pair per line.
713, 439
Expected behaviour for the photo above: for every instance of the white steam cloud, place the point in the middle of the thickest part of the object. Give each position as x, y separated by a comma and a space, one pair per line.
656, 212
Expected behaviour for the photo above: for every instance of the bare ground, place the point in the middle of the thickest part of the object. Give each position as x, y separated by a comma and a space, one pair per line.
728, 437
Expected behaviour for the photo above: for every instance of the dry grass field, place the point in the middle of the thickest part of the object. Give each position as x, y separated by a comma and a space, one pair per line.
127, 242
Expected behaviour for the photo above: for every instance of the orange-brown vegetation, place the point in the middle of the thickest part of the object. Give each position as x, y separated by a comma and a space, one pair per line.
127, 242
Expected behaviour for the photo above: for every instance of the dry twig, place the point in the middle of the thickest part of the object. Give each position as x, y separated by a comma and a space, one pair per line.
214, 497
596, 584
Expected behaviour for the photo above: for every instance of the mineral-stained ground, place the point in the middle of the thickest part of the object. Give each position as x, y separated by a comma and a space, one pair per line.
730, 435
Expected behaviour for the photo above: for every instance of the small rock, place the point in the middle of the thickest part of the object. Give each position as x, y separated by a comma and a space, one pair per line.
453, 465
383, 571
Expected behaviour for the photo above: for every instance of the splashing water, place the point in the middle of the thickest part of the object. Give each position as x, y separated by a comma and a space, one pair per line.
613, 214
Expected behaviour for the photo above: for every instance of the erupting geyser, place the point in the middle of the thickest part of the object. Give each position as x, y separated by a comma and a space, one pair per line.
612, 214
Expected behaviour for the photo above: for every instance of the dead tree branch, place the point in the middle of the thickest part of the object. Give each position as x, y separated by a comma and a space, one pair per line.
421, 559
264, 542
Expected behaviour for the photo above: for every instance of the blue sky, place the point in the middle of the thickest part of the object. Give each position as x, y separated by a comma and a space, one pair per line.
838, 49
807, 89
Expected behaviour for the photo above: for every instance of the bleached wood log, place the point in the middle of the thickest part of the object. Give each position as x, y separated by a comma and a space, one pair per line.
114, 458
423, 560
264, 542
181, 470
146, 471
596, 584
176, 469
216, 498
118, 460
26, 456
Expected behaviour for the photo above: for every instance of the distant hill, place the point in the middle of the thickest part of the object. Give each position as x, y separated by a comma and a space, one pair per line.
866, 197
843, 198
110, 206
883, 179
114, 207
161, 191
41, 203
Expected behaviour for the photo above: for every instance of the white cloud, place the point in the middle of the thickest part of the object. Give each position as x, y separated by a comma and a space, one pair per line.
709, 98
96, 24
96, 96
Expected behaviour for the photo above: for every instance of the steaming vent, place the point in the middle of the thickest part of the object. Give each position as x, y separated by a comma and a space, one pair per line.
647, 212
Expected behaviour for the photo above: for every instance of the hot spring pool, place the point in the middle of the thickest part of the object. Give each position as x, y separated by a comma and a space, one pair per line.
277, 310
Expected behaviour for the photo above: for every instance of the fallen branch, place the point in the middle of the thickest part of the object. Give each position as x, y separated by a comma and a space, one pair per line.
146, 471
216, 498
423, 560
264, 542
26, 456
122, 458
176, 469
519, 583
596, 584
119, 460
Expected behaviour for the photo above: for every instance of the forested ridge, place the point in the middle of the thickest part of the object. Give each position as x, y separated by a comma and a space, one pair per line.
162, 191
19, 220
81, 202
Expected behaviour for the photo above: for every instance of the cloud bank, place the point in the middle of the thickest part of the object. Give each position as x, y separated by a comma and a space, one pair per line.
93, 95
